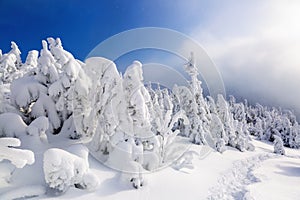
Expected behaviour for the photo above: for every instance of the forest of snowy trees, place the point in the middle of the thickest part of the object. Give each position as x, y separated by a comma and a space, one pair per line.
57, 110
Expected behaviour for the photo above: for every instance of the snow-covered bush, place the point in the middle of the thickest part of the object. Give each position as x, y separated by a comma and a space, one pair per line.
63, 169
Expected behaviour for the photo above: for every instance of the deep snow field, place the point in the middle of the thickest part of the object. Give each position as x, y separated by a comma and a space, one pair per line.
260, 174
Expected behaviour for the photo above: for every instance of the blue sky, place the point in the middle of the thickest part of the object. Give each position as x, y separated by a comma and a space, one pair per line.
254, 43
83, 24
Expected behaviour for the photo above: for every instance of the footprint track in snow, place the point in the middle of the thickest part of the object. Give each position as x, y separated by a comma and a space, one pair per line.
233, 183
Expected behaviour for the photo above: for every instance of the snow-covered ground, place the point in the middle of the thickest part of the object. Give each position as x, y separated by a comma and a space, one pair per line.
232, 175
55, 110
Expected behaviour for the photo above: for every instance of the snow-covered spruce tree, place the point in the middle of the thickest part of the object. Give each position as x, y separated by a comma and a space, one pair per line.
56, 88
163, 124
237, 109
222, 109
140, 107
233, 116
5, 105
278, 145
294, 140
31, 62
195, 84
218, 132
241, 139
189, 106
10, 64
134, 127
122, 111
138, 99
108, 103
200, 120
265, 122
71, 94
258, 129
283, 127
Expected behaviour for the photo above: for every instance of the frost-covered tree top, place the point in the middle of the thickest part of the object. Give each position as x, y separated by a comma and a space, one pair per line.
191, 67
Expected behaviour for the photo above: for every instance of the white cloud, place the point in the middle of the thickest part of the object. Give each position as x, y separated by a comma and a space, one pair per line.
257, 49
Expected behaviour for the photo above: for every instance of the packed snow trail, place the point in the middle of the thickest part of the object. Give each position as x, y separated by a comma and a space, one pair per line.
233, 183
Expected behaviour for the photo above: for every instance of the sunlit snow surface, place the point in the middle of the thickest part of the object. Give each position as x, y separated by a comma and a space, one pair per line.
232, 175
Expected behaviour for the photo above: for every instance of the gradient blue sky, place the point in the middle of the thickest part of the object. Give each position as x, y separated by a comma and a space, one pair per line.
83, 24
254, 43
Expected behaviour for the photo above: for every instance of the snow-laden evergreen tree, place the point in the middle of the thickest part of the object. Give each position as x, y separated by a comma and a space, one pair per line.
56, 89
258, 129
108, 104
9, 64
138, 100
237, 109
198, 128
218, 132
126, 126
187, 104
265, 122
32, 59
278, 145
195, 83
164, 121
222, 109
5, 105
294, 140
211, 105
122, 109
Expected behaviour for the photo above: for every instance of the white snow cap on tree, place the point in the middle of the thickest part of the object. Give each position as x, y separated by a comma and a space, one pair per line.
16, 51
32, 58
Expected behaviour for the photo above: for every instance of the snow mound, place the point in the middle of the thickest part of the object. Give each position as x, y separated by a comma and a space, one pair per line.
63, 169
18, 157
